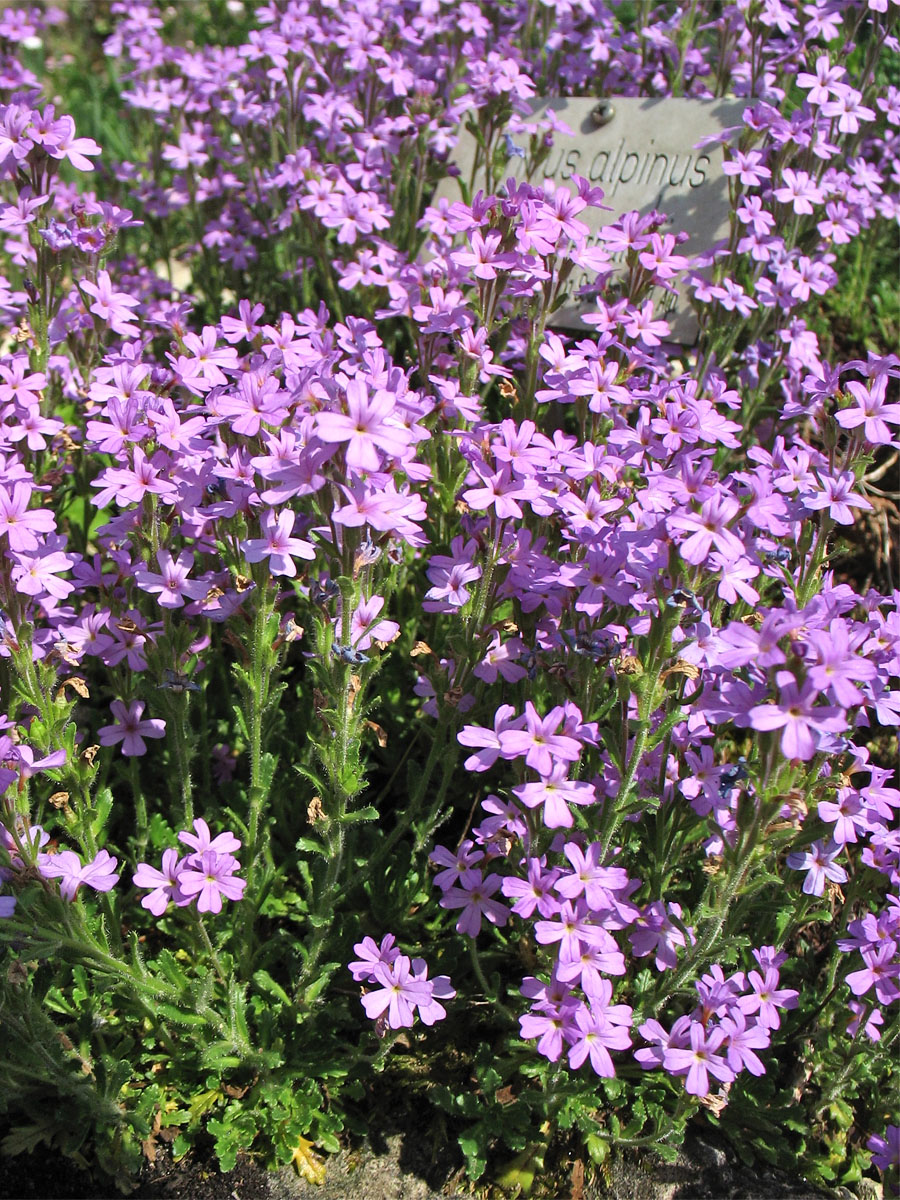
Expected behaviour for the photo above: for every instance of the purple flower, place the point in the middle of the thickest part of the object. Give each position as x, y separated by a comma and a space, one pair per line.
365, 626
371, 954
210, 876
654, 932
873, 1018
556, 792
881, 970
799, 718
767, 998
99, 873
599, 1028
539, 742
112, 307
589, 878
172, 584
534, 892
661, 1041
405, 986
742, 1041
573, 927
441, 989
20, 523
818, 862
872, 411
35, 574
29, 765
165, 883
201, 841
449, 575
455, 865
400, 993
366, 427
837, 495
64, 144
488, 739
473, 896
701, 1060
277, 544
129, 729
552, 1028
707, 529
885, 1150
592, 960
485, 257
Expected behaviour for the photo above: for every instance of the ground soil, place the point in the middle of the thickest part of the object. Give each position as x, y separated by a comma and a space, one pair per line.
399, 1163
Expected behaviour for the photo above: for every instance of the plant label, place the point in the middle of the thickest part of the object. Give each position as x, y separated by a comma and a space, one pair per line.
645, 154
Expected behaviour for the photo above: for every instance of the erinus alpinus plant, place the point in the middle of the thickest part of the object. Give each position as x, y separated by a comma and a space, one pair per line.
401, 681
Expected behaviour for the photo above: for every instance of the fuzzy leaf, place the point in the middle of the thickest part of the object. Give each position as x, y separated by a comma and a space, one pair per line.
266, 983
179, 1016
311, 846
102, 808
361, 814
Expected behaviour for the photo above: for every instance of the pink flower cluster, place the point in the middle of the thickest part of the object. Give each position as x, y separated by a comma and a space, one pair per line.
717, 1038
206, 875
401, 986
25, 850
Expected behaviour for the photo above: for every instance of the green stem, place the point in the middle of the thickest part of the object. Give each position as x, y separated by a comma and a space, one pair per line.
701, 948
144, 987
256, 696
486, 987
183, 757
809, 581
659, 651
317, 243
140, 806
260, 669
210, 949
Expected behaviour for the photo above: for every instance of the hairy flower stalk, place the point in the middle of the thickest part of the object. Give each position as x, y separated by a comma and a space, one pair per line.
658, 653
256, 688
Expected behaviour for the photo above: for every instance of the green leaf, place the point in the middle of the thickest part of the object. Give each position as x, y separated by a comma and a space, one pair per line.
240, 719
179, 1016
317, 782
266, 983
268, 765
442, 1097
666, 1152
170, 969
220, 1056
311, 846
227, 1157
102, 808
315, 989
162, 835
476, 1156
180, 1147
361, 814
597, 1148
520, 1173
665, 728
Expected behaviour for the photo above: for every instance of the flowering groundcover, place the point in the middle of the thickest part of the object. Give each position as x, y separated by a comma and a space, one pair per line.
395, 681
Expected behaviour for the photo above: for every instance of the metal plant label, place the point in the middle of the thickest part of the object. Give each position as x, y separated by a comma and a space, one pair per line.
645, 154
